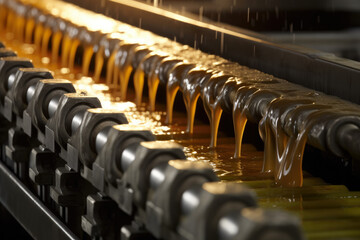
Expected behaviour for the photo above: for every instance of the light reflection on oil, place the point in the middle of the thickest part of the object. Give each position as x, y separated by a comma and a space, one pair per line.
246, 168
195, 149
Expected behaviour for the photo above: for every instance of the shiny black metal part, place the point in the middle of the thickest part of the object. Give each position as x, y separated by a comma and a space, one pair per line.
26, 207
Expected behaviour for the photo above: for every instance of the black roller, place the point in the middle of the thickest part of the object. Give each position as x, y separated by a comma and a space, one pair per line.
36, 113
8, 69
94, 128
23, 89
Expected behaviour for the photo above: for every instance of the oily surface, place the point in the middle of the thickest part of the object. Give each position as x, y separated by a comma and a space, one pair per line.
327, 211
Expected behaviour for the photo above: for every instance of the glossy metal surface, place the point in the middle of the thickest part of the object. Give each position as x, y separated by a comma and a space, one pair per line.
53, 105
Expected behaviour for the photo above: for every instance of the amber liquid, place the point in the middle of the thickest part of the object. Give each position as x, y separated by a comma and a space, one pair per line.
327, 211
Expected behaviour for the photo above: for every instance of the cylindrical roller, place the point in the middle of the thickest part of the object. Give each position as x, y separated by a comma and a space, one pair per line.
46, 90
30, 93
178, 72
53, 105
340, 135
71, 30
76, 121
70, 104
128, 156
149, 62
190, 199
119, 151
148, 155
228, 226
60, 25
89, 37
121, 143
11, 80
24, 87
216, 200
157, 175
139, 53
110, 42
332, 131
213, 87
165, 67
175, 192
51, 21
256, 223
101, 139
228, 94
93, 132
125, 54
339, 131
348, 138
8, 69
256, 104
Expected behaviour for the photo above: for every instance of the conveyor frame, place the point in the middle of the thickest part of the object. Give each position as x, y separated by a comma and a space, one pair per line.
28, 210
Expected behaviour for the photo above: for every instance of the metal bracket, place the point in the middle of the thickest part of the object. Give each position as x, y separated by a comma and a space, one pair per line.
29, 210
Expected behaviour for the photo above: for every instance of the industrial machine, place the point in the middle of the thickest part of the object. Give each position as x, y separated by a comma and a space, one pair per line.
140, 120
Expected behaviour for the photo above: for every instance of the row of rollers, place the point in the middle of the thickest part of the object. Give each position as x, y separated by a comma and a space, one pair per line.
98, 39
347, 145
52, 22
171, 197
342, 136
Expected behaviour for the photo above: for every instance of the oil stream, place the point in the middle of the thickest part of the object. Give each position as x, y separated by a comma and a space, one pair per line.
53, 38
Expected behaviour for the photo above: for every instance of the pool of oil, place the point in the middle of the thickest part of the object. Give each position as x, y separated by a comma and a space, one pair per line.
327, 211
196, 145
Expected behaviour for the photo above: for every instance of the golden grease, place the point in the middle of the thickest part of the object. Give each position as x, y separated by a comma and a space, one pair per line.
286, 113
